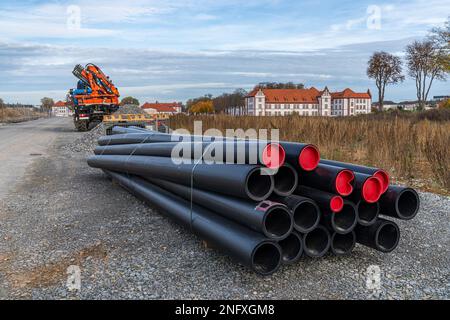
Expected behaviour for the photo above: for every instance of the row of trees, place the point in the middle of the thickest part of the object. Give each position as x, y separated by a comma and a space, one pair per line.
426, 61
13, 105
210, 104
279, 85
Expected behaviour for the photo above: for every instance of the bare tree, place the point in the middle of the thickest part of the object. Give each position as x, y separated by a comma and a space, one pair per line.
441, 40
47, 104
2, 104
386, 69
425, 64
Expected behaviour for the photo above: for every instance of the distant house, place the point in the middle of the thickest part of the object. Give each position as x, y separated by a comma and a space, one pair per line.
405, 105
387, 105
408, 105
170, 108
60, 109
307, 102
441, 98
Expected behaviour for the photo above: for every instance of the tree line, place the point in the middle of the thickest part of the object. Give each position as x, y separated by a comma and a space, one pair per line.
210, 104
426, 61
14, 105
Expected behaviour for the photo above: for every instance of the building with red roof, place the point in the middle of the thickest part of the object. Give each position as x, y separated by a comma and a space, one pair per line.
60, 109
162, 108
307, 102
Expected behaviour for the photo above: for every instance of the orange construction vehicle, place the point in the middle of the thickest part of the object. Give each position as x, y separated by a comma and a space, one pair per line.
94, 97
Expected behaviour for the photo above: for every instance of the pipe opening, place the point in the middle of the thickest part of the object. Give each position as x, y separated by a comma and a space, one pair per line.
372, 190
344, 182
291, 248
277, 223
384, 179
309, 158
259, 185
266, 258
336, 204
317, 242
345, 221
368, 213
407, 204
273, 156
387, 237
285, 181
342, 244
306, 216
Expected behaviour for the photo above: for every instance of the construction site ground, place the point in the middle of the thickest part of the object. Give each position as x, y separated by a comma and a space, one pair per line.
58, 215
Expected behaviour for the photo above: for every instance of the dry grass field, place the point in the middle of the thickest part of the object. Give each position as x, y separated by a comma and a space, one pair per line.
19, 114
413, 147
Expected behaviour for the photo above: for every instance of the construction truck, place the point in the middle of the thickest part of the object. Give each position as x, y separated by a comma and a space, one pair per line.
94, 97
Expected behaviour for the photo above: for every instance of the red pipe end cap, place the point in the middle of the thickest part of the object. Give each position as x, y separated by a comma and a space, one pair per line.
372, 190
336, 204
309, 158
273, 156
343, 183
383, 176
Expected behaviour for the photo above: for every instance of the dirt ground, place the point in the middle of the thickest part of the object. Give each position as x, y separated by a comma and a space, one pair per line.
58, 215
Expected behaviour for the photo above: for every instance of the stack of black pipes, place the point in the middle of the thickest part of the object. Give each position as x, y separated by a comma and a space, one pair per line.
263, 203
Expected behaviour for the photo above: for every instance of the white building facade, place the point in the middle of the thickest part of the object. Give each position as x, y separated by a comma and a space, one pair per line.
60, 109
307, 102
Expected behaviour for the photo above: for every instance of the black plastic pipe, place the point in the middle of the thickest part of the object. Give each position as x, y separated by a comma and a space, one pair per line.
272, 219
383, 235
302, 155
285, 180
124, 130
244, 181
246, 246
138, 129
271, 155
306, 212
400, 202
376, 172
367, 212
342, 244
317, 242
367, 188
291, 248
136, 138
341, 222
330, 179
326, 201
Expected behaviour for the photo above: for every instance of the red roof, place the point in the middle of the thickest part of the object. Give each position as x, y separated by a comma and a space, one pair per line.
349, 93
289, 95
162, 107
304, 95
60, 104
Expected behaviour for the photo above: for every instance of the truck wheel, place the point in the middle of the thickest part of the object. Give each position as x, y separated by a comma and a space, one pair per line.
82, 126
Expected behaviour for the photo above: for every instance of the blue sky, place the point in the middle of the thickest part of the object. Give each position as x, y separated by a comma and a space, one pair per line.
175, 50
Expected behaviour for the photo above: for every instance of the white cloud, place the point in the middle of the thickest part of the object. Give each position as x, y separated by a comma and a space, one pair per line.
205, 17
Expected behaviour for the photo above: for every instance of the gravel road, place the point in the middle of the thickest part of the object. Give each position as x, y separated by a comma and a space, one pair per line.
62, 213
